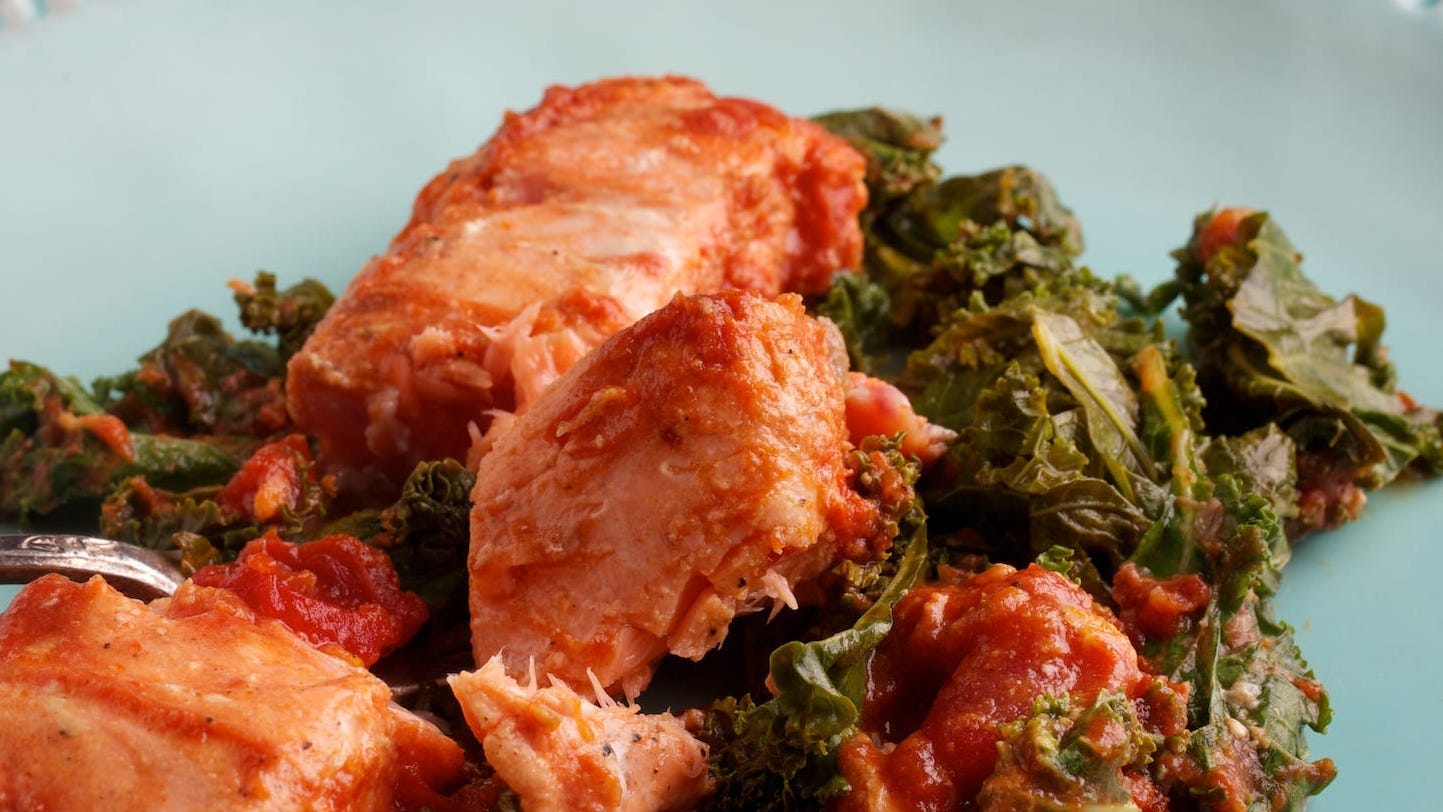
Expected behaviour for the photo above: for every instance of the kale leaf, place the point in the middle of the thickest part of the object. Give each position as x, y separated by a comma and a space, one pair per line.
291, 315
930, 245
781, 754
58, 447
426, 532
1250, 692
201, 380
1285, 352
1065, 758
198, 405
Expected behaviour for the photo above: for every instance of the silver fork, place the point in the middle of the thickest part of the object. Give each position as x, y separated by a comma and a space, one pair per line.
131, 569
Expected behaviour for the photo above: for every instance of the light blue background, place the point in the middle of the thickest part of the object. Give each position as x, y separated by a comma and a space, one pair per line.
152, 149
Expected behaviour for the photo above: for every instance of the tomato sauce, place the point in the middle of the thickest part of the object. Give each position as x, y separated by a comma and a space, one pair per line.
1155, 608
334, 592
965, 658
270, 481
1224, 229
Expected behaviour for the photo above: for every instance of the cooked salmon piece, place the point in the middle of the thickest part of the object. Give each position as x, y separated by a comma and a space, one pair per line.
877, 407
190, 703
560, 752
576, 219
690, 469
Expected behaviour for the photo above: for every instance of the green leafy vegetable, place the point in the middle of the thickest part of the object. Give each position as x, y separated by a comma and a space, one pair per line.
1251, 693
1108, 403
1288, 353
58, 447
781, 754
1082, 442
898, 147
291, 315
201, 380
426, 532
861, 309
930, 245
1062, 759
198, 405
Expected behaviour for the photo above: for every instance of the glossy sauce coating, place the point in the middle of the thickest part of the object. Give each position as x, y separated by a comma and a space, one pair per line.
333, 591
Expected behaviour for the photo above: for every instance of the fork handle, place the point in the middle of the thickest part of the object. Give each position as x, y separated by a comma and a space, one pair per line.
134, 570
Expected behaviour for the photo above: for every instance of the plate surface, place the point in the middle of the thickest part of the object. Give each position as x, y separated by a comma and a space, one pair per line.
151, 150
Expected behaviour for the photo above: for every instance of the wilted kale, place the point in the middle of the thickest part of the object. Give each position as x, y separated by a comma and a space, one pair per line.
781, 754
196, 407
426, 532
1082, 440
898, 147
1251, 694
1049, 451
1004, 340
161, 519
139, 513
200, 380
1278, 350
58, 447
291, 315
1066, 758
862, 310
930, 246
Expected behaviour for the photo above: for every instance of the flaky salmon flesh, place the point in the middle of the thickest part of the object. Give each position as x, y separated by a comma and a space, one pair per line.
576, 219
689, 470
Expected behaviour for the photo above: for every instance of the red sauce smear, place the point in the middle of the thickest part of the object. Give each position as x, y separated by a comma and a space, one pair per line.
335, 591
1155, 608
963, 659
1222, 230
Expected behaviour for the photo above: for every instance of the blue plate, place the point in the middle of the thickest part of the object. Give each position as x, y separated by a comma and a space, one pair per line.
149, 151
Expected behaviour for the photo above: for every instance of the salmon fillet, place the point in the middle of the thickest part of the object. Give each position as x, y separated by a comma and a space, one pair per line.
576, 219
561, 753
690, 469
188, 704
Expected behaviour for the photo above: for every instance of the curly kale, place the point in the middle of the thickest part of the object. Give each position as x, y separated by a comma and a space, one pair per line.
201, 381
426, 532
291, 315
1067, 758
781, 754
1082, 439
59, 448
931, 246
1250, 691
198, 405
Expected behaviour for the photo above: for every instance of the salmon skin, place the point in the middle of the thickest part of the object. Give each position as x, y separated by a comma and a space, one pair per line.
575, 220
